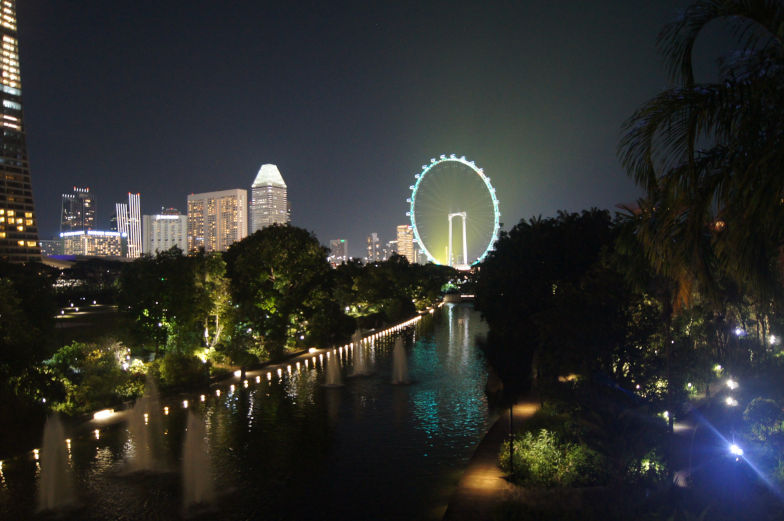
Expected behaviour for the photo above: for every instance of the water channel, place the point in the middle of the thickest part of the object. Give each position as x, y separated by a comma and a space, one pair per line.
291, 448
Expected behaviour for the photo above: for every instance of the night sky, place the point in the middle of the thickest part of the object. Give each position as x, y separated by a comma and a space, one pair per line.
171, 97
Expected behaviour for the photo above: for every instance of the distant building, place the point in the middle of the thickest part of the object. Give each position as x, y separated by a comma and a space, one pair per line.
405, 242
163, 231
269, 199
18, 225
51, 247
374, 250
390, 249
93, 243
77, 211
217, 219
129, 224
338, 251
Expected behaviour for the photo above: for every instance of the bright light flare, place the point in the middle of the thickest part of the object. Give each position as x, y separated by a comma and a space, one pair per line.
732, 384
103, 414
730, 401
735, 450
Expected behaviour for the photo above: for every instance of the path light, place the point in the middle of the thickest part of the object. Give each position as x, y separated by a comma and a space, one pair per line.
735, 451
217, 392
269, 376
297, 366
35, 454
166, 410
202, 398
146, 418
280, 372
245, 384
231, 388
97, 433
258, 379
288, 368
185, 404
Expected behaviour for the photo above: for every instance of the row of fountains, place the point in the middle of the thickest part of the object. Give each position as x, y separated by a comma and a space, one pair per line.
56, 488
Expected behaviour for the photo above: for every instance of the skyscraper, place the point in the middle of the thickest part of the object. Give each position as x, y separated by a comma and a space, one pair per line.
374, 250
338, 251
269, 199
77, 211
405, 242
18, 225
129, 224
163, 231
217, 219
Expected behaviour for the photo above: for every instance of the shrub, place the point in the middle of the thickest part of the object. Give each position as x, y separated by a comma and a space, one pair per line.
543, 460
180, 370
764, 418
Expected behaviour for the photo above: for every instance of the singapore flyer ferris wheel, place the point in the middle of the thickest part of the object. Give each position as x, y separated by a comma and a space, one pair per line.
454, 212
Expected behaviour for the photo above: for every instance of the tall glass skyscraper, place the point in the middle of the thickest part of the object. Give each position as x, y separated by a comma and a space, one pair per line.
18, 225
77, 211
269, 199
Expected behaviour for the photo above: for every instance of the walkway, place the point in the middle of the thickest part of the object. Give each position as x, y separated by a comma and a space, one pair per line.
483, 486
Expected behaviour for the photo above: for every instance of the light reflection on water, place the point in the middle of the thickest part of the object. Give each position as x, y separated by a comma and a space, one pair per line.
288, 448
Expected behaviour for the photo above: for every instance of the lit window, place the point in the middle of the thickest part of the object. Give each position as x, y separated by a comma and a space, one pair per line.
20, 243
11, 213
29, 214
2, 235
31, 244
20, 228
29, 222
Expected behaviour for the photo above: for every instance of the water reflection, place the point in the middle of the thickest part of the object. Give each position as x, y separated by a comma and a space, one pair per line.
288, 448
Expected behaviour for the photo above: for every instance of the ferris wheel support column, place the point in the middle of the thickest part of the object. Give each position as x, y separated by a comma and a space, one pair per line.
450, 260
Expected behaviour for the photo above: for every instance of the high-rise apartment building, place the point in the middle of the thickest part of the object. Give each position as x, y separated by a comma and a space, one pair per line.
18, 225
165, 230
374, 248
338, 251
405, 242
269, 199
77, 211
217, 219
129, 224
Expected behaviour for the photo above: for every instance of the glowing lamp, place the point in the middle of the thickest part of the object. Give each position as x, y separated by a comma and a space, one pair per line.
103, 414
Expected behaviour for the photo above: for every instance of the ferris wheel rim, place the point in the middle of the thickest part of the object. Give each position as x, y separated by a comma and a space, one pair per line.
491, 191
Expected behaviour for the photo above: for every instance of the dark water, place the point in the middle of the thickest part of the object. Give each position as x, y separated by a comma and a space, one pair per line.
292, 449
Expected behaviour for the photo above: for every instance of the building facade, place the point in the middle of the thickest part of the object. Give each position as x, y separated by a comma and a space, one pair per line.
338, 251
77, 211
93, 243
18, 225
269, 199
129, 224
405, 242
217, 219
375, 250
163, 231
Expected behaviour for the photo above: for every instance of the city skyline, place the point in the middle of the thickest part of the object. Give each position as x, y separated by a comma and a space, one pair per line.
535, 92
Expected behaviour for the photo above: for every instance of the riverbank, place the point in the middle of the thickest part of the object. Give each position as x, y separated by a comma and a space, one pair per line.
483, 487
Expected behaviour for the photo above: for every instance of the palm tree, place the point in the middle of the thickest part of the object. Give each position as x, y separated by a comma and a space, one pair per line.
709, 155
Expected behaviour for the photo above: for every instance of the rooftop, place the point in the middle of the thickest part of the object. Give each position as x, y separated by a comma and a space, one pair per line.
269, 175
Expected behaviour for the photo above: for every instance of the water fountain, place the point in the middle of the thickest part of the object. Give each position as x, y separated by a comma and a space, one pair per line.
361, 367
144, 426
333, 372
399, 363
198, 488
55, 488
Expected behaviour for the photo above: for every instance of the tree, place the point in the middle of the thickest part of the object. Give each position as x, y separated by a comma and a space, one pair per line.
709, 154
280, 287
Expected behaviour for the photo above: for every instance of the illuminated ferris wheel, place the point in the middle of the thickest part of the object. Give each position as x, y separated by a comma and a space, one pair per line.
454, 211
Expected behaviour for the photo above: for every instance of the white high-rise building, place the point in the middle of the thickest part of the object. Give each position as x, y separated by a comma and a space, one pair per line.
217, 219
163, 231
269, 199
374, 249
338, 251
129, 224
